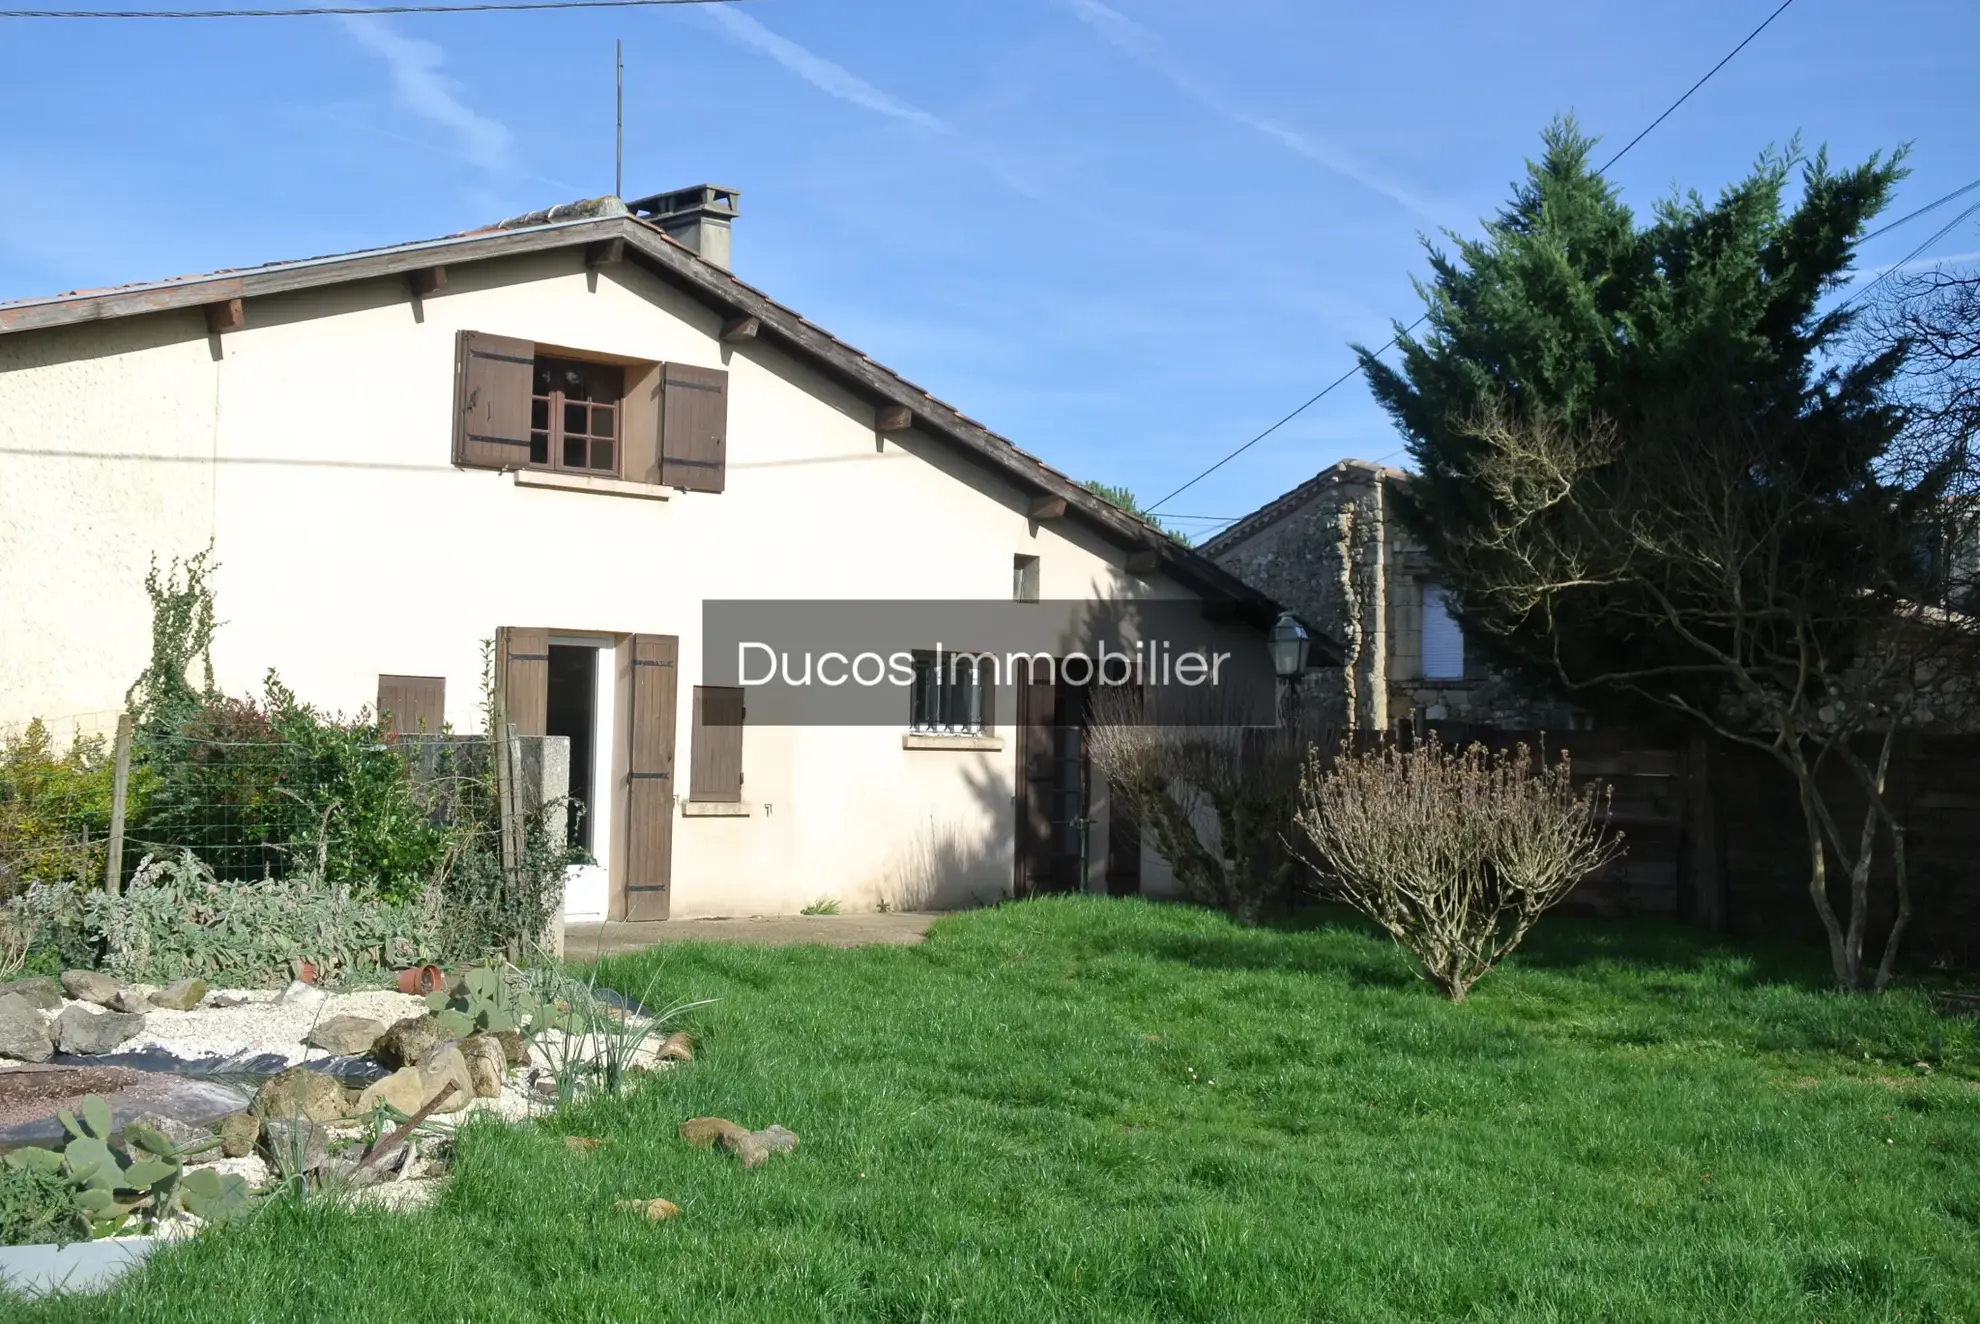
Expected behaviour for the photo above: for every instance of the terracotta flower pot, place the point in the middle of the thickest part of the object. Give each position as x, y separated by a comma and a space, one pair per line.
421, 979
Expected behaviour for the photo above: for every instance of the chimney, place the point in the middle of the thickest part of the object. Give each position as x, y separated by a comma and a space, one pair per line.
697, 217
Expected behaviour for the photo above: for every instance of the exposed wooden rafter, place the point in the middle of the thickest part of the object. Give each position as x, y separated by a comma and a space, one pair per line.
427, 281
604, 253
738, 329
227, 315
893, 418
1046, 506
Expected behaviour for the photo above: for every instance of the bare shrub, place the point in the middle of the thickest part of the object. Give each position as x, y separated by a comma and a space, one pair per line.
1455, 852
1215, 796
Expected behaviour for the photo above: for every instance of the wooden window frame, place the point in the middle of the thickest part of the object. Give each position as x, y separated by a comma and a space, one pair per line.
555, 406
941, 721
1024, 578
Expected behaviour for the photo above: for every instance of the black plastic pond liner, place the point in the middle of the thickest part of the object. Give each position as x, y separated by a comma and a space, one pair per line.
240, 1069
630, 1006
195, 1101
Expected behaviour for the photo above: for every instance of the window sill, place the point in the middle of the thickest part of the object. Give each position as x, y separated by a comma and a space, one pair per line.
927, 740
715, 809
564, 482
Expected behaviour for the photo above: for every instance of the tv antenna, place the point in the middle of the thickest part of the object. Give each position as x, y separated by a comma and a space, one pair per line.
619, 116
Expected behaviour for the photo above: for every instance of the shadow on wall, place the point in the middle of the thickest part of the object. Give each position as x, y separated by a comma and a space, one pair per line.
954, 864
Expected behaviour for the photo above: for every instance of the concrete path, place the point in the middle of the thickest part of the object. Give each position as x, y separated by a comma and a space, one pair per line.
616, 936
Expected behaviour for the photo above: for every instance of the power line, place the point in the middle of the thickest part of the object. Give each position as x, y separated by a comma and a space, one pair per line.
324, 11
1912, 216
1905, 261
1694, 87
1390, 344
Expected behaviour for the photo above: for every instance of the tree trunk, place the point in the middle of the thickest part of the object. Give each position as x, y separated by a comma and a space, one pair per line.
1818, 862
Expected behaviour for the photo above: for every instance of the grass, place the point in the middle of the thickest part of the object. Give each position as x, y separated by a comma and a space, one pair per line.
1093, 1110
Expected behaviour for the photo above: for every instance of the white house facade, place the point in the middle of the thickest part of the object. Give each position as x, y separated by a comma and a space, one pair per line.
563, 434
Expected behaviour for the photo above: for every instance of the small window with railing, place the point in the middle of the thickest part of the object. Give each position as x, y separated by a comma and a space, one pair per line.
952, 694
574, 416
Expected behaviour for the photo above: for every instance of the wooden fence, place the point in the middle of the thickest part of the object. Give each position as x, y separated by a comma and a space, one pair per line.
1714, 834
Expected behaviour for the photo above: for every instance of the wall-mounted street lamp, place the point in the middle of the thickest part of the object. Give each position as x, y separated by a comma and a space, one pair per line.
1290, 645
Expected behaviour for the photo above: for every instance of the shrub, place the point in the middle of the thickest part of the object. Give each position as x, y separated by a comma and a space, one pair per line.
54, 809
175, 919
38, 1206
1217, 796
261, 788
1455, 852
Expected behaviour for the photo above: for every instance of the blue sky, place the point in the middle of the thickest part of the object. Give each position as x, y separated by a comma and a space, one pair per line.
1126, 233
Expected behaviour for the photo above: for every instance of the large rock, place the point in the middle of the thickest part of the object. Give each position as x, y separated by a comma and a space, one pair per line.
132, 1001
410, 1040
299, 994
754, 1148
446, 1065
89, 986
345, 1035
238, 1132
299, 1092
23, 1031
182, 1136
79, 1030
294, 1144
182, 996
41, 993
399, 1091
514, 1047
488, 1065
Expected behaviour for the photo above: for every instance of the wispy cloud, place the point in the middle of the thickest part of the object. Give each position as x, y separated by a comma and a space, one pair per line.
1145, 48
832, 79
431, 95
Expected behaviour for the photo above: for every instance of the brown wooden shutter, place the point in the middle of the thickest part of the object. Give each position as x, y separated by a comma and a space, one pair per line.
694, 427
411, 705
716, 749
650, 776
522, 678
492, 377
639, 418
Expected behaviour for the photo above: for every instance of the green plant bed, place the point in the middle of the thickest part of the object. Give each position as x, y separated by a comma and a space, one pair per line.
1084, 1109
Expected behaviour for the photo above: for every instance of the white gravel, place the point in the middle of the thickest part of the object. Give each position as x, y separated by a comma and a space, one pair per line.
261, 1024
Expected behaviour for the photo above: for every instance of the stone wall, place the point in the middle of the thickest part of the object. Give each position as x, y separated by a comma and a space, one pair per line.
1332, 551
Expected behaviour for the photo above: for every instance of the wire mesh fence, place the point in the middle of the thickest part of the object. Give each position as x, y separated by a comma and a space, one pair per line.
348, 804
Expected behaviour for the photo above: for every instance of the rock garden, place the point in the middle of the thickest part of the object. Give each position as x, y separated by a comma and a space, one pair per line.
130, 1108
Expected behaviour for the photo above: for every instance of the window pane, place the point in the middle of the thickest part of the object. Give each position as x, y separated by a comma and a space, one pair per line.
574, 452
539, 448
1442, 638
601, 454
574, 420
922, 714
539, 414
572, 380
601, 420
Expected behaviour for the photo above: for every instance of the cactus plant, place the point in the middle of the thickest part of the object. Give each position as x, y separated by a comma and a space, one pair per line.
486, 1003
109, 1187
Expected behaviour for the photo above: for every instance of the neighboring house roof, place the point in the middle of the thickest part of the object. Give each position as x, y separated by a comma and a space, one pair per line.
1280, 507
602, 221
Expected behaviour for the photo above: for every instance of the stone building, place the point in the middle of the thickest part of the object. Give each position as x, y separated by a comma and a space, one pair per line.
1334, 552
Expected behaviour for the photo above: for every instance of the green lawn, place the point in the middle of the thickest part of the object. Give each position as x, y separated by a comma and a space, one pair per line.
1100, 1110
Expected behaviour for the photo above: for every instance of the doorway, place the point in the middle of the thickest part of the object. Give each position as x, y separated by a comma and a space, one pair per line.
1054, 788
578, 706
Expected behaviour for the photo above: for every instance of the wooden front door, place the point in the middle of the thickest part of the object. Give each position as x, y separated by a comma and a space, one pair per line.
1053, 777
